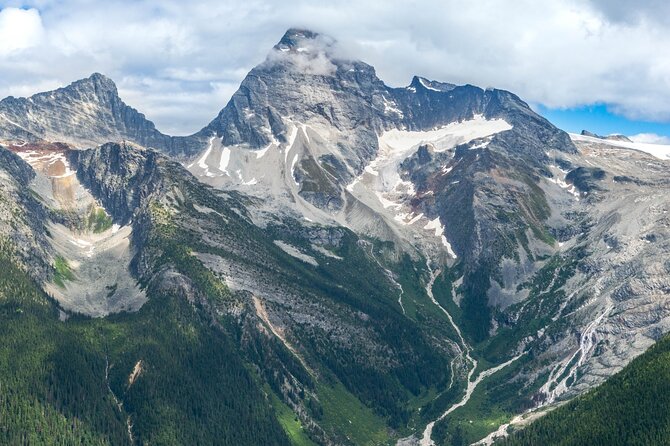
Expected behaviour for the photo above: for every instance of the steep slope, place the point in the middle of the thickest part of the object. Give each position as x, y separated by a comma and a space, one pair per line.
86, 113
325, 333
629, 408
161, 375
323, 137
596, 304
22, 216
90, 254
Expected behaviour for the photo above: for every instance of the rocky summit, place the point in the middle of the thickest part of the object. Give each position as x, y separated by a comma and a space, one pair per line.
329, 261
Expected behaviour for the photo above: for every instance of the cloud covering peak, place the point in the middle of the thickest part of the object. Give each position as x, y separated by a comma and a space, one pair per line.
179, 62
305, 51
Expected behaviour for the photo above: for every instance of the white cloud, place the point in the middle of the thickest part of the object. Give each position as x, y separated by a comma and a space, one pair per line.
311, 56
650, 138
19, 29
560, 53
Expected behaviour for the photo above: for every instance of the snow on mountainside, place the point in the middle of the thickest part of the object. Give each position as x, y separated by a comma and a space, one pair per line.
661, 151
476, 183
307, 127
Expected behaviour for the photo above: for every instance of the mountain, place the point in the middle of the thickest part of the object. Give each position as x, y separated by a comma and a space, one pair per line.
84, 114
629, 408
330, 260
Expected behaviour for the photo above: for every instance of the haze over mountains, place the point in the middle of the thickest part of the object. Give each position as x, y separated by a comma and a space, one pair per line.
330, 260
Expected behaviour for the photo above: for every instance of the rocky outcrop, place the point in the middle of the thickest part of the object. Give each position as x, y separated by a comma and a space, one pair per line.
124, 177
23, 216
614, 137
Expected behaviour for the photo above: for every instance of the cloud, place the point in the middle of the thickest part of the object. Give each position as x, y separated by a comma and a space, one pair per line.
623, 11
19, 29
308, 55
178, 62
650, 138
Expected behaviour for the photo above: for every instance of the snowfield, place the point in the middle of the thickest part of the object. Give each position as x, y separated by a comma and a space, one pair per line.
443, 138
660, 151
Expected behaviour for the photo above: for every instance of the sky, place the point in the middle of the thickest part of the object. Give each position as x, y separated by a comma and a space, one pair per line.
600, 65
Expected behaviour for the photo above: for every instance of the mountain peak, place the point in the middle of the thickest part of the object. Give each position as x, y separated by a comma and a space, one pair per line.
423, 83
294, 37
304, 41
98, 81
86, 113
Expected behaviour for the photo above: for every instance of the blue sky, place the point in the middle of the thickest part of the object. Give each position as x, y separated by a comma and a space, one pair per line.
179, 62
598, 119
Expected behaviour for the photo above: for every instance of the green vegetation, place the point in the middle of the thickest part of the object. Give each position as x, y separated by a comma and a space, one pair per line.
344, 413
62, 272
493, 403
355, 286
290, 423
98, 220
631, 408
194, 387
475, 304
209, 378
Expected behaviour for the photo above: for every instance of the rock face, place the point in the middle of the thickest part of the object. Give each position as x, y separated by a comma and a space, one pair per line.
86, 113
123, 177
324, 137
351, 329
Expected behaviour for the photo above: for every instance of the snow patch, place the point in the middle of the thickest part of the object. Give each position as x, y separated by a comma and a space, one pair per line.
426, 85
391, 107
562, 184
444, 138
291, 139
261, 153
438, 227
293, 163
202, 162
381, 184
225, 159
